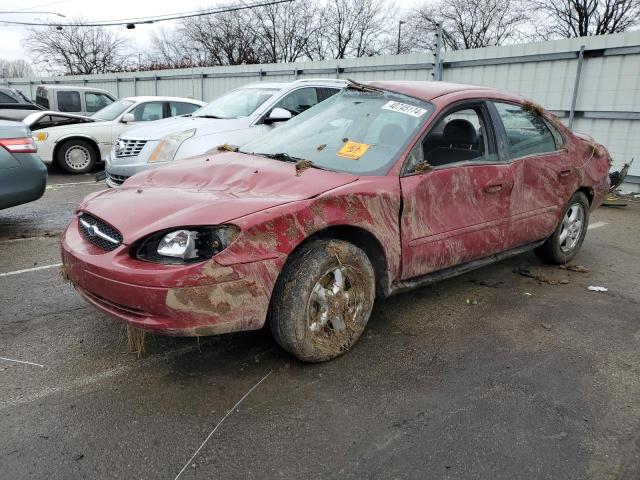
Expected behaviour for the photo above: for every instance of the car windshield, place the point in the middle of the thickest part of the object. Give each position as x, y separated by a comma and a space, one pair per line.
237, 104
355, 131
113, 111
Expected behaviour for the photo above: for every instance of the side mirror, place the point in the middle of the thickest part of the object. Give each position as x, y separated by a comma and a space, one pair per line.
127, 118
278, 115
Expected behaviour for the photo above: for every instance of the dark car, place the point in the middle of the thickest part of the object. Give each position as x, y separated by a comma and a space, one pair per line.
23, 176
14, 105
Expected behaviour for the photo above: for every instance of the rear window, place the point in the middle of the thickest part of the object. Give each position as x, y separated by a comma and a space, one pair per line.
69, 101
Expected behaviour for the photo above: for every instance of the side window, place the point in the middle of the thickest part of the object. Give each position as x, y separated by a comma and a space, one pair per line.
146, 112
182, 108
4, 98
325, 92
96, 101
459, 136
69, 101
527, 133
299, 100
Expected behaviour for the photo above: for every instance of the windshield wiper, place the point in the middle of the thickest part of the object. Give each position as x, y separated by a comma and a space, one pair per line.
279, 156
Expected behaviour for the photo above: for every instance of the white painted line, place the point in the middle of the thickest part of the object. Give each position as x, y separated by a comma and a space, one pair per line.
21, 361
595, 225
220, 423
70, 183
27, 270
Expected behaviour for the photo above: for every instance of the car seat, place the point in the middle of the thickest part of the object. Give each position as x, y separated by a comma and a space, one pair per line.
461, 137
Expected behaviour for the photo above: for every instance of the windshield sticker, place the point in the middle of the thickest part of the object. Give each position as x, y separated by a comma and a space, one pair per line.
353, 150
404, 108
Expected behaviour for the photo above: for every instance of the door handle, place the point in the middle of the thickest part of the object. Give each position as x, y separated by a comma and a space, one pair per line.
493, 188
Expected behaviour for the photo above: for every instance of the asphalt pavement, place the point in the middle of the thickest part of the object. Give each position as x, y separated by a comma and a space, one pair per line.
489, 375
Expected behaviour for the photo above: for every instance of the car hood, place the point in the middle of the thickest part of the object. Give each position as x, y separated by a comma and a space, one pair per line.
204, 126
34, 117
208, 190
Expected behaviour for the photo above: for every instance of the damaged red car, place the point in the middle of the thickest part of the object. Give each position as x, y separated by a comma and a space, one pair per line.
385, 186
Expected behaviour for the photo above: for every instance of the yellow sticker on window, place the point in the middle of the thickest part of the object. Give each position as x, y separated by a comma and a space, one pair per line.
353, 150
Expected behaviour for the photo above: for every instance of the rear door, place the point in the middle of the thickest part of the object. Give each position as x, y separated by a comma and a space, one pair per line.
456, 193
544, 178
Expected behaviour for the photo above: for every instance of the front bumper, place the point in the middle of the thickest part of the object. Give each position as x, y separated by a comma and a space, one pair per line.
183, 300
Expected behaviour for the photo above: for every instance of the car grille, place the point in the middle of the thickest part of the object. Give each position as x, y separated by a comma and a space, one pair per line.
129, 148
117, 179
99, 233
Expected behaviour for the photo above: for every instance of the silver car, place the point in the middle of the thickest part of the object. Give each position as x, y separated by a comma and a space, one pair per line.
234, 118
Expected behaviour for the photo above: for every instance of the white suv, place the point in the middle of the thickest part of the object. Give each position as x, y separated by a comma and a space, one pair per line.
234, 118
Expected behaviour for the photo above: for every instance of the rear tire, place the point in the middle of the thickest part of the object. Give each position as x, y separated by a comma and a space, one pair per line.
77, 156
564, 244
322, 300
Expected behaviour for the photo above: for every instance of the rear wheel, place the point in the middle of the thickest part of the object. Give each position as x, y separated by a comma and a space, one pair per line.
77, 156
567, 239
322, 300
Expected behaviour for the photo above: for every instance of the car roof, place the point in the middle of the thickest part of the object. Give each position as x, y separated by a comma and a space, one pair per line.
147, 98
49, 86
329, 82
427, 90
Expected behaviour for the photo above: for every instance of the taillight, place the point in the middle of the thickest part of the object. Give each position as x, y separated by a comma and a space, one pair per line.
19, 145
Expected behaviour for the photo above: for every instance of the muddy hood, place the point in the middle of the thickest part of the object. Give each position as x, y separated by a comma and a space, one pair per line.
210, 190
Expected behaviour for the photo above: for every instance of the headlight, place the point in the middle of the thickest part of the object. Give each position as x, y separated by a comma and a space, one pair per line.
185, 245
168, 146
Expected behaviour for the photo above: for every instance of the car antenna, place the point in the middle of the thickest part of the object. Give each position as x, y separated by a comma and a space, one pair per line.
362, 87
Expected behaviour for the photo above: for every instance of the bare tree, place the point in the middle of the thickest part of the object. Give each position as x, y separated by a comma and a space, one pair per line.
285, 31
76, 50
468, 23
15, 69
579, 18
352, 28
222, 39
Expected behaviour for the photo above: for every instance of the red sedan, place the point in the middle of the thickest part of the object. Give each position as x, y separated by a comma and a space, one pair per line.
383, 187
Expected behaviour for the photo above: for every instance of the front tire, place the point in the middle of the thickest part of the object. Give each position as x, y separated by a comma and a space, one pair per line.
322, 300
77, 156
564, 244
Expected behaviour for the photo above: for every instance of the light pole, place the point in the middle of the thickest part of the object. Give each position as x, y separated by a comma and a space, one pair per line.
400, 23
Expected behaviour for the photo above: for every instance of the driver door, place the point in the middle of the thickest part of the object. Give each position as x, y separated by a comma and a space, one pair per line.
456, 209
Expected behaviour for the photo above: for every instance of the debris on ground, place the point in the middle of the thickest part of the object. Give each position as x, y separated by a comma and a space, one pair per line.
135, 340
597, 289
487, 283
472, 302
525, 272
303, 165
572, 267
546, 326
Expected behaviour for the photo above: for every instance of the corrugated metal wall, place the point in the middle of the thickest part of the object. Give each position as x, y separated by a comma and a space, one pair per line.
608, 98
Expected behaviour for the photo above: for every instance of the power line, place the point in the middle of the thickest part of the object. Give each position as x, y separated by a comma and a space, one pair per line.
148, 20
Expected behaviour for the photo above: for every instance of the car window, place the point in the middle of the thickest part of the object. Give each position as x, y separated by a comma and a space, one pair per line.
237, 104
325, 92
96, 101
69, 101
361, 132
4, 98
147, 112
459, 136
182, 108
299, 100
527, 133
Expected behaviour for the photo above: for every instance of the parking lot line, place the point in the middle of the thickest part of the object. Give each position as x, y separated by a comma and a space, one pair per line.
595, 225
70, 183
220, 423
21, 361
27, 270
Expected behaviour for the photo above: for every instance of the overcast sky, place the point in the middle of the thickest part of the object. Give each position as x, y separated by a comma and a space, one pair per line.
11, 36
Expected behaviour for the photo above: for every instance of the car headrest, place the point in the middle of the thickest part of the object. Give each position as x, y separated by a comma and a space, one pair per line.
460, 131
391, 134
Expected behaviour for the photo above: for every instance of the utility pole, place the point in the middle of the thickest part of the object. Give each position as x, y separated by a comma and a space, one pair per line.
437, 65
400, 23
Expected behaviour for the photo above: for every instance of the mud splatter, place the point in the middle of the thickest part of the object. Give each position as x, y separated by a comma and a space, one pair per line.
303, 165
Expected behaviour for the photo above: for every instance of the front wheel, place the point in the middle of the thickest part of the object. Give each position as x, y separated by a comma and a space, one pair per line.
77, 156
322, 300
563, 245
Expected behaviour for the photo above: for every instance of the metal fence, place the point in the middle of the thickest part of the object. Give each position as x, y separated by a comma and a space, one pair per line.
594, 82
